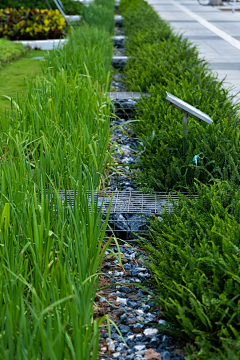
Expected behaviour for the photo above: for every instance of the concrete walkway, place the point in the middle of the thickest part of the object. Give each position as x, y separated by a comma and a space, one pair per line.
215, 32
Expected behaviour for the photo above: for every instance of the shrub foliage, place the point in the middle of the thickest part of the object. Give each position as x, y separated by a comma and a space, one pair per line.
27, 24
162, 61
195, 257
70, 7
194, 249
10, 51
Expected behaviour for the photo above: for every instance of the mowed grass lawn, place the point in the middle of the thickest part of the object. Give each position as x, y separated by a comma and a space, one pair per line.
13, 76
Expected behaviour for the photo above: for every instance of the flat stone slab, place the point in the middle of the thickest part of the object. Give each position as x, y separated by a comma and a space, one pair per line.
119, 41
119, 61
118, 20
125, 102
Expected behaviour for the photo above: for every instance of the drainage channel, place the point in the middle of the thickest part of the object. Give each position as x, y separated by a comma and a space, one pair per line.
129, 307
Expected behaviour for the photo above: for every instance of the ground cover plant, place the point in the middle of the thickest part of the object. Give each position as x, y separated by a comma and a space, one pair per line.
162, 61
28, 24
70, 7
10, 51
56, 136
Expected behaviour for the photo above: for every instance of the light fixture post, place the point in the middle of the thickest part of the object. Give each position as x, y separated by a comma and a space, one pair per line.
185, 132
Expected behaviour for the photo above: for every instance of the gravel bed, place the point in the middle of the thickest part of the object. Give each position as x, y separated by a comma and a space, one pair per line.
139, 321
130, 307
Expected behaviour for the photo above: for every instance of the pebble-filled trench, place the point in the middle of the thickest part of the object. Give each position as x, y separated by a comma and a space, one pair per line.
130, 307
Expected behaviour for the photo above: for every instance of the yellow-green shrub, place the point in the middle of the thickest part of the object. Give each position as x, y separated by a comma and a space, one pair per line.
27, 24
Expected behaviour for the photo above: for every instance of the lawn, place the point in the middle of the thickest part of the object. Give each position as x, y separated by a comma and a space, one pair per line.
13, 75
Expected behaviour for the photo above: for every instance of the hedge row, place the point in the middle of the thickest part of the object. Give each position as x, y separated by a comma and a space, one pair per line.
10, 51
195, 249
56, 137
162, 61
27, 24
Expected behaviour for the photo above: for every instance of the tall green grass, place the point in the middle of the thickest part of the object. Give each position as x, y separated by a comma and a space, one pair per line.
88, 51
100, 13
56, 137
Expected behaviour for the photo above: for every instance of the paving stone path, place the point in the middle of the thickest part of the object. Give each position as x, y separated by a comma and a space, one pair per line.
189, 18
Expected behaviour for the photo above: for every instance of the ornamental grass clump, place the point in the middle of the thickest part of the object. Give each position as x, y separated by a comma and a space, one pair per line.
194, 252
89, 50
163, 61
56, 137
100, 14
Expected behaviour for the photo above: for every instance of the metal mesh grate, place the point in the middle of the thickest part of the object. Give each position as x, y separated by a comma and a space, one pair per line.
128, 208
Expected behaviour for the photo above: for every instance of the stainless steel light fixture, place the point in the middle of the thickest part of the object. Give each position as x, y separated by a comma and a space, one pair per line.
190, 110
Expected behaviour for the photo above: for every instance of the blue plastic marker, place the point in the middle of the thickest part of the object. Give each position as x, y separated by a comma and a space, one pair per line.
38, 58
195, 159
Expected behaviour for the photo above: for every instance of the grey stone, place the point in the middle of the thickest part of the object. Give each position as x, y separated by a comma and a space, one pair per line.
124, 289
155, 341
166, 355
118, 62
139, 347
121, 347
140, 312
118, 20
130, 357
123, 319
119, 41
132, 303
124, 329
146, 307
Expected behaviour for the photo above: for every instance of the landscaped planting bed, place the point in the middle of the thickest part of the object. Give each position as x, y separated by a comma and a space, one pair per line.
70, 7
56, 136
194, 250
29, 24
10, 51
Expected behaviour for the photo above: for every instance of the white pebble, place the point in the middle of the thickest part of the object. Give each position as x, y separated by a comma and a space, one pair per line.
130, 337
162, 322
142, 352
150, 332
139, 347
121, 301
116, 354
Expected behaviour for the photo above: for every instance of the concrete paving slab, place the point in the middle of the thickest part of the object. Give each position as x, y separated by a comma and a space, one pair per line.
221, 51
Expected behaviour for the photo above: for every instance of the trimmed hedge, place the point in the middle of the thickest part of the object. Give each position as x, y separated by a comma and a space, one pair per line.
195, 249
28, 24
10, 51
70, 7
162, 61
195, 259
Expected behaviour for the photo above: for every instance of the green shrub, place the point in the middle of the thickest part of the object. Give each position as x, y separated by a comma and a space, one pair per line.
10, 51
195, 258
70, 7
99, 15
162, 61
27, 24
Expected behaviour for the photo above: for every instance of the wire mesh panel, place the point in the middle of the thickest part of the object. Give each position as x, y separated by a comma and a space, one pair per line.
128, 209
